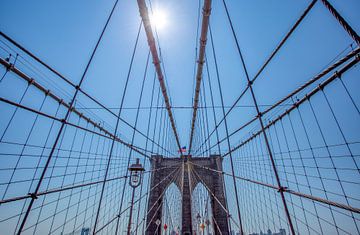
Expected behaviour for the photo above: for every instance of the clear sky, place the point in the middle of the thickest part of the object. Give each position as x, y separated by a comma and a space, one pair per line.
64, 33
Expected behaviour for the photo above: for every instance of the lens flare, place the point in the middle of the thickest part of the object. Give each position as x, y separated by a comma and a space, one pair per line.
158, 19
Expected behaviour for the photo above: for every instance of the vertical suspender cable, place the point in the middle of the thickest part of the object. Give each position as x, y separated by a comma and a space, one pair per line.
275, 51
259, 116
227, 134
203, 38
132, 142
146, 147
116, 129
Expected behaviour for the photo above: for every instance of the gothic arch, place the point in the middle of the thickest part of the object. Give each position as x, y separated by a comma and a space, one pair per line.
163, 175
171, 210
201, 205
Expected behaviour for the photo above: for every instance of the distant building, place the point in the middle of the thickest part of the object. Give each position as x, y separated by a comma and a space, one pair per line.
281, 232
85, 231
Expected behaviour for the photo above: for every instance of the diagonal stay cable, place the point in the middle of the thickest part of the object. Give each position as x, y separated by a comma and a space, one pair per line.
113, 219
11, 67
71, 187
286, 190
146, 147
133, 134
117, 125
133, 147
56, 190
297, 90
193, 171
306, 97
33, 198
153, 217
176, 176
272, 55
216, 225
226, 130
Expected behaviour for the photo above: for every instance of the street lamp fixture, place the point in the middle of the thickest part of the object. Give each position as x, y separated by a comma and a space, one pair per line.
136, 173
198, 217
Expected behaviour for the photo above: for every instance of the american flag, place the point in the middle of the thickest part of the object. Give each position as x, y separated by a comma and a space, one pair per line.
182, 150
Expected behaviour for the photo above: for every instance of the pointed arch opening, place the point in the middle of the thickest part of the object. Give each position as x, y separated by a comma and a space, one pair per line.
171, 210
202, 216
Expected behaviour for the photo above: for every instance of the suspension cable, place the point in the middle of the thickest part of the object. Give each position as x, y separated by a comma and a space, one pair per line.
306, 97
276, 50
11, 67
342, 21
63, 124
199, 74
151, 41
324, 72
133, 147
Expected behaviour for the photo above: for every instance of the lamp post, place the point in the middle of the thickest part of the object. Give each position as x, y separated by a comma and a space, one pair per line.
207, 222
198, 218
136, 172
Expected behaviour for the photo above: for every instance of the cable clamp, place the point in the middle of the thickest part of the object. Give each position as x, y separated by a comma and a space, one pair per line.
33, 195
203, 42
31, 81
7, 59
282, 189
206, 12
9, 66
337, 74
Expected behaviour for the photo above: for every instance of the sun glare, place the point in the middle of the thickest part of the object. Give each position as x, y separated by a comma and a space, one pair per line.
158, 19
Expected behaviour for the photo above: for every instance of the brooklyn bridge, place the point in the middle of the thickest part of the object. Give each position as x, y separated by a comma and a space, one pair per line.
179, 117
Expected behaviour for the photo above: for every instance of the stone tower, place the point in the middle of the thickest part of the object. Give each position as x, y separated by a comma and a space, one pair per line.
212, 180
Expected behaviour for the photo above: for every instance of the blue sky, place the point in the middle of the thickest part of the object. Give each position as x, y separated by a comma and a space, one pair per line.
64, 33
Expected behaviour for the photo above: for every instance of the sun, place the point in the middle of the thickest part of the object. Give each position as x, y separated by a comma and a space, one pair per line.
158, 19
